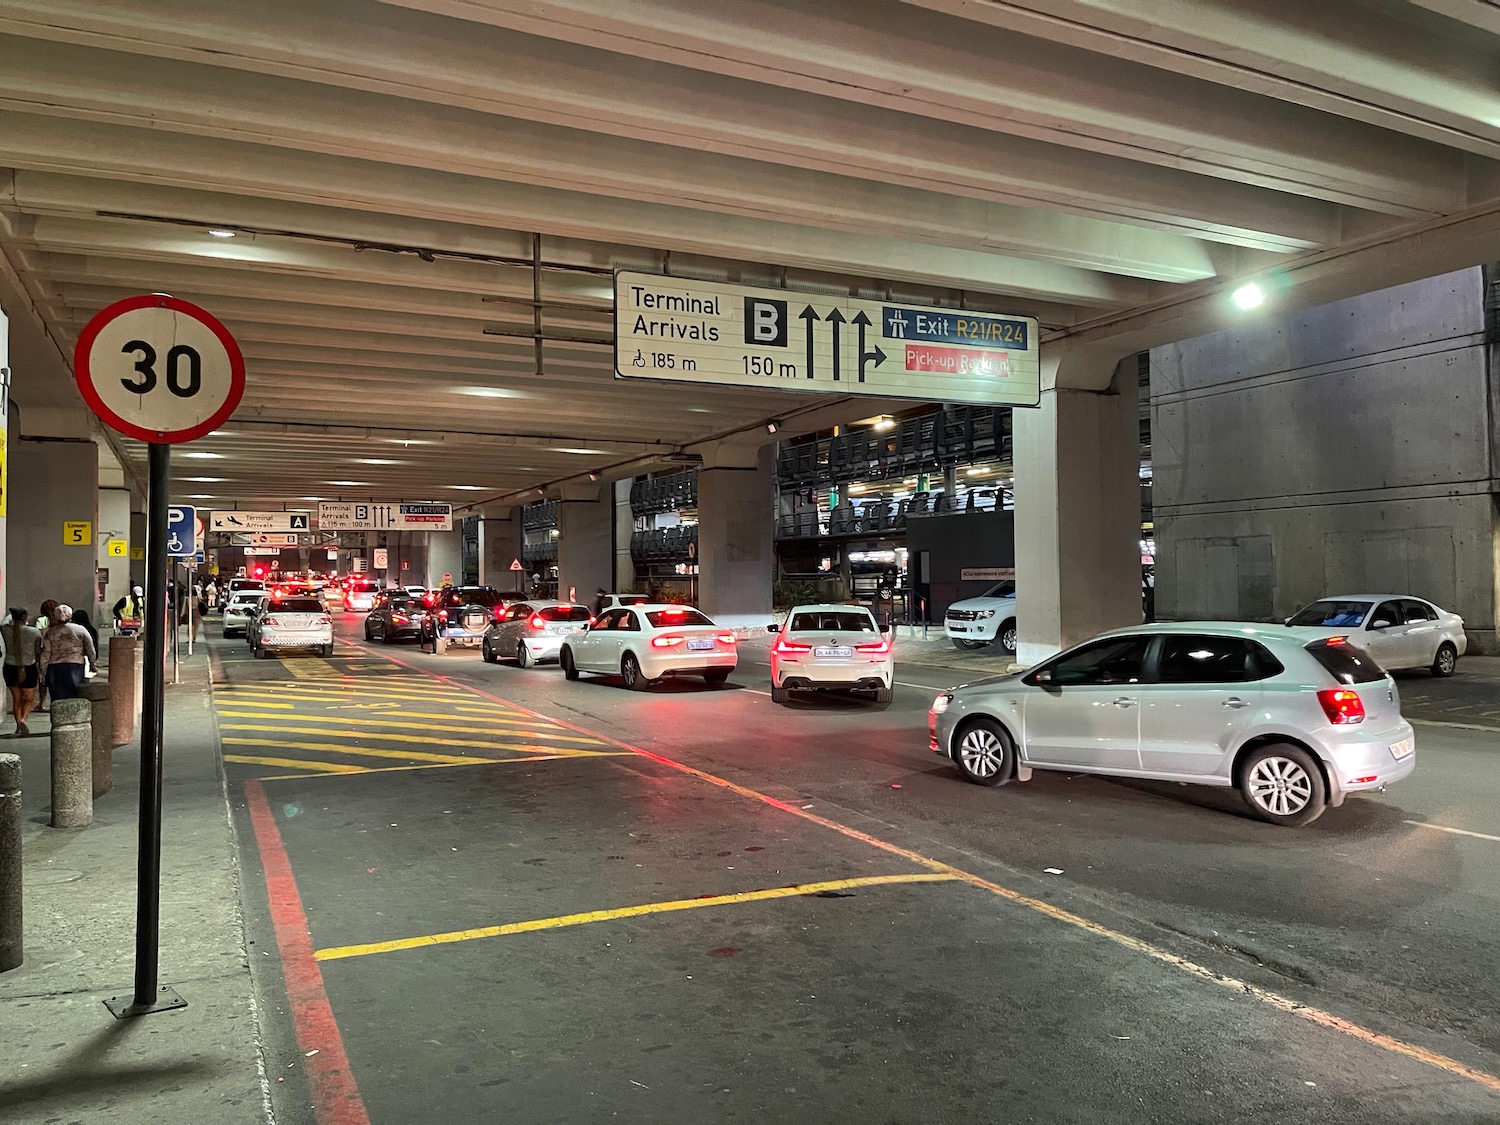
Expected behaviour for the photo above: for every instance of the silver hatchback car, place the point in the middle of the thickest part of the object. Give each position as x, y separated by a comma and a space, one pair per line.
1295, 719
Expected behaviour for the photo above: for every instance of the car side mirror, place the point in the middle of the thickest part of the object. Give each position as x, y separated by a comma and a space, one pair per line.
1042, 678
773, 628
1380, 623
885, 626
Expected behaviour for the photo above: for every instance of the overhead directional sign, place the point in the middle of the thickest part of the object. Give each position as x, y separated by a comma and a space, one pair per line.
260, 521
274, 539
385, 517
182, 523
690, 331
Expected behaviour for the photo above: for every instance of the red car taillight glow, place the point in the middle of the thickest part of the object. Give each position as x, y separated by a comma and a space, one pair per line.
784, 645
879, 646
726, 638
536, 621
1342, 706
667, 640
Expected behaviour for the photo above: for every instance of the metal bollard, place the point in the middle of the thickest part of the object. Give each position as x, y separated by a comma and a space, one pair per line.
11, 954
124, 687
101, 719
72, 764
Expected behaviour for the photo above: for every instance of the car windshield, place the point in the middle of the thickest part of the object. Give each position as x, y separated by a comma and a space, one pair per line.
670, 618
1333, 614
1346, 663
406, 605
1006, 589
836, 621
300, 605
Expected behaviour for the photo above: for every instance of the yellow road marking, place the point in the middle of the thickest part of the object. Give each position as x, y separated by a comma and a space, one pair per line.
441, 766
309, 695
360, 752
308, 668
385, 736
799, 890
385, 724
292, 763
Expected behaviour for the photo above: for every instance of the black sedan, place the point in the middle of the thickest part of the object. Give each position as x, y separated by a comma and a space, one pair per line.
396, 617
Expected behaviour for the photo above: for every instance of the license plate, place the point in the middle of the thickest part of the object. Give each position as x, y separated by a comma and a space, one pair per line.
701, 646
833, 652
1403, 748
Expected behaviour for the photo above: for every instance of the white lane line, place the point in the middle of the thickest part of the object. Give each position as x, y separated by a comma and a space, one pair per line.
1456, 726
924, 687
1455, 831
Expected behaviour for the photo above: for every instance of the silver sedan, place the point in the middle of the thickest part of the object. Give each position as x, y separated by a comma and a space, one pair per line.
1401, 632
1295, 719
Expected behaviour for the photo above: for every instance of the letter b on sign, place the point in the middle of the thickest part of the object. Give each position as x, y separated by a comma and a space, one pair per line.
765, 322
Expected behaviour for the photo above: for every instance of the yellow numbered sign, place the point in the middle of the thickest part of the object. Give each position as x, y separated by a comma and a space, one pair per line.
117, 548
78, 533
137, 553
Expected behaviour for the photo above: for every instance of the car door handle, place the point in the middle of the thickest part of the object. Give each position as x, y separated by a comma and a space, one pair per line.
1234, 702
1124, 701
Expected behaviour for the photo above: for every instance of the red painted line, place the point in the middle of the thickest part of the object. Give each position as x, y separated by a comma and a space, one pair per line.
335, 1095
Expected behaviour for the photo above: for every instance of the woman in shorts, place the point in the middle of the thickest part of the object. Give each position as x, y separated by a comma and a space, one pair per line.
22, 644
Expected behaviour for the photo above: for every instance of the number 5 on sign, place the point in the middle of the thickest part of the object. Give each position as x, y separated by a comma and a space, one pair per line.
78, 533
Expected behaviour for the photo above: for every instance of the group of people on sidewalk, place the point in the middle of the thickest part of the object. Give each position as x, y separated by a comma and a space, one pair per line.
51, 657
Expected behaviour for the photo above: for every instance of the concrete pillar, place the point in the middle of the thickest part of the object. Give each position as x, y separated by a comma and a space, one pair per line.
138, 544
624, 528
102, 723
125, 687
72, 764
57, 483
1078, 508
499, 546
114, 524
444, 556
5, 457
736, 556
11, 954
586, 542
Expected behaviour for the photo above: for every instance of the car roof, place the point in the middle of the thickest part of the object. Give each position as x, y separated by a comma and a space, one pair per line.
827, 607
653, 606
1367, 598
1255, 630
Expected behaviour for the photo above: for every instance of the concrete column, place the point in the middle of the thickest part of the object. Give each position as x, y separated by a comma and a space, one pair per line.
72, 764
10, 862
58, 482
499, 546
114, 523
102, 723
1078, 524
125, 687
138, 540
444, 556
736, 556
624, 528
586, 543
5, 460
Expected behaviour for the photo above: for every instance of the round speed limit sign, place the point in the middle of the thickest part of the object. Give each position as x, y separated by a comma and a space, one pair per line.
159, 369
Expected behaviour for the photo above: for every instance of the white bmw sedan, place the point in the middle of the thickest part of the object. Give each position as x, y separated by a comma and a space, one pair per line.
831, 647
1399, 631
1295, 719
645, 643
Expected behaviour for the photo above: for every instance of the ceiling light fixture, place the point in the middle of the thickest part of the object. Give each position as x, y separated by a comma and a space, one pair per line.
205, 480
1248, 296
886, 423
772, 426
467, 487
200, 455
489, 392
576, 449
350, 483
375, 461
222, 232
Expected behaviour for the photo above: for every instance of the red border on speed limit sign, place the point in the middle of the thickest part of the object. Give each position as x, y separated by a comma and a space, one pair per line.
161, 378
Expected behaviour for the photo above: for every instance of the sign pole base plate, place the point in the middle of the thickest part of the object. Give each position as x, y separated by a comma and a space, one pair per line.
125, 1007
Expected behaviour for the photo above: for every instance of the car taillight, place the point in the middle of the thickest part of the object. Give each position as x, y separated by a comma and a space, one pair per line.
273, 622
442, 615
536, 621
666, 641
498, 613
879, 646
784, 645
592, 619
323, 621
399, 619
1342, 706
726, 638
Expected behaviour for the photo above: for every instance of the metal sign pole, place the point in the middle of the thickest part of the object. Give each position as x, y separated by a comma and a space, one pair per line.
149, 996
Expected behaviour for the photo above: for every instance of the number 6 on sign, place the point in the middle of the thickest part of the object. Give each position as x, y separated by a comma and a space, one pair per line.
159, 369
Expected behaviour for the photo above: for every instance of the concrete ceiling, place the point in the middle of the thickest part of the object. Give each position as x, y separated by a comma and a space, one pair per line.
391, 169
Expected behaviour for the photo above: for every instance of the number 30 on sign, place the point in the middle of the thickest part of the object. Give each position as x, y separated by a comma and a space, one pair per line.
159, 369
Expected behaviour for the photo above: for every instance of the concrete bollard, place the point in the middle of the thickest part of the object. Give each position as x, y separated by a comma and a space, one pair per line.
101, 719
11, 954
124, 687
72, 764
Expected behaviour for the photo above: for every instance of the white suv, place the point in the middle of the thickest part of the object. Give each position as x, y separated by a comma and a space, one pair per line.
831, 648
977, 622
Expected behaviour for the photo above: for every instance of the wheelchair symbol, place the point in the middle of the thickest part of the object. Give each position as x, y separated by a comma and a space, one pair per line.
639, 360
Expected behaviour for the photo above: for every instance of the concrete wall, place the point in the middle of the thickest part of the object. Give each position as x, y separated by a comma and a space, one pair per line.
114, 523
736, 548
1345, 448
52, 482
586, 545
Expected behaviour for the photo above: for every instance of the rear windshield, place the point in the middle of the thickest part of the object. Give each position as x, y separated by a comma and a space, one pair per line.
631, 599
362, 587
670, 618
407, 605
1333, 614
831, 621
248, 597
1346, 663
472, 595
300, 605
565, 613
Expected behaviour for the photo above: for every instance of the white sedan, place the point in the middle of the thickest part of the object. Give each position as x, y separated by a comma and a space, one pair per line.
299, 622
831, 647
239, 609
533, 632
645, 643
1398, 630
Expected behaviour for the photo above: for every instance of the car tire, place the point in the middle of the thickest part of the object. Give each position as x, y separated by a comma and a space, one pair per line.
523, 655
486, 653
326, 651
439, 646
387, 637
1283, 784
565, 658
885, 694
630, 672
984, 752
369, 633
780, 695
260, 652
1007, 636
716, 679
966, 644
1445, 663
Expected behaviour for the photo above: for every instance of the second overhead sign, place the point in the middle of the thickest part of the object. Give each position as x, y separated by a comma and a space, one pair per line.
707, 332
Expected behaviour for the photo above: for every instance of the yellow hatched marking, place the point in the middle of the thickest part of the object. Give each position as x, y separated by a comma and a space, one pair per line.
308, 668
292, 763
297, 695
456, 765
361, 752
357, 687
511, 747
336, 953
385, 724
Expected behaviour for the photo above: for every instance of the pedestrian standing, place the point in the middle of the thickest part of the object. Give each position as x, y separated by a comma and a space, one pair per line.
66, 650
43, 623
129, 611
23, 645
82, 619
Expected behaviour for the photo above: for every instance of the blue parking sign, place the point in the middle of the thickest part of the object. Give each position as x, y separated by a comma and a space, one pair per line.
182, 524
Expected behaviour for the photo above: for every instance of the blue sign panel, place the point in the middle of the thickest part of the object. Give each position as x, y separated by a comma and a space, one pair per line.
181, 532
952, 326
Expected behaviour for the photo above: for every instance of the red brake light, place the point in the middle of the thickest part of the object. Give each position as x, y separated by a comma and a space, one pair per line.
1336, 641
784, 645
726, 638
667, 640
677, 611
1342, 706
399, 618
272, 622
536, 621
324, 621
881, 645
442, 615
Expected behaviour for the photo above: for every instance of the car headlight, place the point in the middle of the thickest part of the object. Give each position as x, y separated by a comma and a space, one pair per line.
983, 613
940, 704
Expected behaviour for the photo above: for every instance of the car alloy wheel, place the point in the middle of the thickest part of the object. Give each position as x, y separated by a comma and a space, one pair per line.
1279, 786
523, 655
983, 752
1008, 636
630, 672
1446, 661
